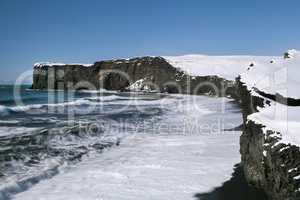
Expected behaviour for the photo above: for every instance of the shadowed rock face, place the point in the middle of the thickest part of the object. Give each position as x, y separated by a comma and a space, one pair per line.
119, 74
111, 75
156, 72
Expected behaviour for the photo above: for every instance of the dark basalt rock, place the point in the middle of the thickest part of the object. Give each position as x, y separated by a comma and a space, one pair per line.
266, 165
279, 98
111, 74
119, 74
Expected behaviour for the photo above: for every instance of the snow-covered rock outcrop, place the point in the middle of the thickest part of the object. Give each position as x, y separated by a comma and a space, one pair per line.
271, 138
278, 76
270, 100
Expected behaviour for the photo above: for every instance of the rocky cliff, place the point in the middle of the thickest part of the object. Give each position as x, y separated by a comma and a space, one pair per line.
154, 73
268, 162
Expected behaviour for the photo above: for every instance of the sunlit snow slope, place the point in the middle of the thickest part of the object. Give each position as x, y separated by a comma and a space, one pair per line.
228, 67
280, 75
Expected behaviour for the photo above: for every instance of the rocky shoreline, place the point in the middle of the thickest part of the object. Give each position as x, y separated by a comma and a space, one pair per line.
270, 167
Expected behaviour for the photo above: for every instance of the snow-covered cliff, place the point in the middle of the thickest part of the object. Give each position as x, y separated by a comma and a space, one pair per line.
266, 87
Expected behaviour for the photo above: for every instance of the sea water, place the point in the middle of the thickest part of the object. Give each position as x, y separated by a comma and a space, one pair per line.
49, 137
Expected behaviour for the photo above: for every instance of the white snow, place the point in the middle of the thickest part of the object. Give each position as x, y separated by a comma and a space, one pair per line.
292, 170
14, 130
228, 67
137, 86
265, 153
281, 76
51, 64
280, 118
268, 74
297, 177
140, 85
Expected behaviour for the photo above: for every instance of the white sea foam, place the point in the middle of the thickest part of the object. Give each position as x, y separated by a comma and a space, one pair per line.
6, 110
4, 131
9, 121
108, 98
173, 162
98, 91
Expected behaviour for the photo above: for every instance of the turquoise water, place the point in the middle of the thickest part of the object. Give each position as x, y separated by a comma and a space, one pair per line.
10, 95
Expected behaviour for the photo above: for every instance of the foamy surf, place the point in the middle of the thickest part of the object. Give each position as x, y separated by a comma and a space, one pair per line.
35, 134
170, 158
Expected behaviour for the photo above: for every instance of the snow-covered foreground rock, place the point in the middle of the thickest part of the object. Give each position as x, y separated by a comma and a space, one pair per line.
175, 163
282, 119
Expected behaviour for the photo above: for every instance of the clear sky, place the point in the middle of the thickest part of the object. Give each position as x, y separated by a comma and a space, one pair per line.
89, 30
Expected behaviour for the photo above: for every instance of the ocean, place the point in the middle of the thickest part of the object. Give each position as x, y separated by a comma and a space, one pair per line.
45, 135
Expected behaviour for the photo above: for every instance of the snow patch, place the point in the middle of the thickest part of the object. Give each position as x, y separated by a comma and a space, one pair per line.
281, 76
297, 177
51, 64
280, 118
139, 85
228, 67
292, 170
265, 153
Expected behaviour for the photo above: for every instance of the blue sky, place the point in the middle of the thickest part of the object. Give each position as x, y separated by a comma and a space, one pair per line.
90, 30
